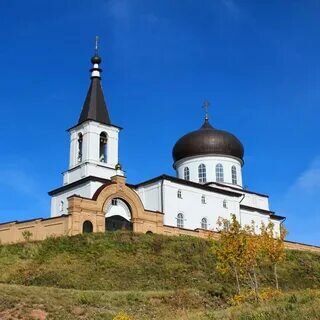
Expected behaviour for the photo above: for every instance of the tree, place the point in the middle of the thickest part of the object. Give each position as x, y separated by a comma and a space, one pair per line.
229, 249
273, 247
250, 256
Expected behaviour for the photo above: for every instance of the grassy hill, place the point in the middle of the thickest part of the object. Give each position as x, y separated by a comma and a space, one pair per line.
149, 276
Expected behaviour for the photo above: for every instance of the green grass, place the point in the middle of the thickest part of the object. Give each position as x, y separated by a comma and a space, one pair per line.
147, 275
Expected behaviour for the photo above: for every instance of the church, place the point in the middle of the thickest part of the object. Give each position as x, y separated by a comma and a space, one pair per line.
95, 196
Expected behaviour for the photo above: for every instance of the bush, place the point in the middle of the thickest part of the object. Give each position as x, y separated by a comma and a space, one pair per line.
122, 316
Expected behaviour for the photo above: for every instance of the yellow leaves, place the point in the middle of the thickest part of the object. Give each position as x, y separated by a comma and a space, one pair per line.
272, 248
240, 250
265, 294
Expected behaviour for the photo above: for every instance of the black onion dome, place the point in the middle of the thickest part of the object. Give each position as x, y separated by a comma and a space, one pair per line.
205, 141
96, 59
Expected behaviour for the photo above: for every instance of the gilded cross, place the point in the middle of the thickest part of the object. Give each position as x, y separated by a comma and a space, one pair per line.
205, 106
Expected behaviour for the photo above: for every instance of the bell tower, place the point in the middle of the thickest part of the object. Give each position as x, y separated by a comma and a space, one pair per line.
94, 142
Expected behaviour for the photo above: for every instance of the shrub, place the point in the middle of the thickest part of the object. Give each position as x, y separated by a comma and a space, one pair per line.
122, 316
27, 235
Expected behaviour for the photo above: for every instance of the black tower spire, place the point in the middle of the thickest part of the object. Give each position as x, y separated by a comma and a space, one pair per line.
95, 107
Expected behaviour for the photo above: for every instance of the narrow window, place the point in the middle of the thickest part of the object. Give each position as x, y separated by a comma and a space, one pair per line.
87, 227
234, 175
219, 173
80, 139
180, 220
203, 199
225, 204
202, 174
186, 174
204, 223
103, 147
114, 202
179, 194
61, 206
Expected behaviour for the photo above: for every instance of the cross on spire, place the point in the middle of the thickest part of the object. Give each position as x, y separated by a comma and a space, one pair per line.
205, 106
97, 45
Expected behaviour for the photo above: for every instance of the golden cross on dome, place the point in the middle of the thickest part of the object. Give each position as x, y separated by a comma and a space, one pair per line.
205, 106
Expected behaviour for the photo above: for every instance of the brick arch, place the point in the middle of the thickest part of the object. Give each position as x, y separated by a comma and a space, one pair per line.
121, 191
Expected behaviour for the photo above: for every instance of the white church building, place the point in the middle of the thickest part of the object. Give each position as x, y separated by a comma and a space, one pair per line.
96, 197
207, 184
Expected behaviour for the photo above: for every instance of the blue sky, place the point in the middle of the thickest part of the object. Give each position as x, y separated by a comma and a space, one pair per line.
256, 61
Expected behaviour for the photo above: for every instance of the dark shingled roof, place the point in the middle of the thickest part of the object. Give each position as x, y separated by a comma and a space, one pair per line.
94, 107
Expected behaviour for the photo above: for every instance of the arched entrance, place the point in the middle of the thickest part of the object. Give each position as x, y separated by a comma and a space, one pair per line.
118, 215
87, 227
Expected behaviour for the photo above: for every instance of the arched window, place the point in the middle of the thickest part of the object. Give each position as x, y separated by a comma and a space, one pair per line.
203, 199
186, 172
234, 175
87, 227
80, 139
204, 223
202, 174
180, 220
103, 147
61, 206
225, 204
179, 194
219, 173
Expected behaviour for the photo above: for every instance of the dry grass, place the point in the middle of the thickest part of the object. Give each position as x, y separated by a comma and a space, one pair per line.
149, 277
20, 302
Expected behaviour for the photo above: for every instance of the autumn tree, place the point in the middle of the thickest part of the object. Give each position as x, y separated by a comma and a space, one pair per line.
250, 256
240, 251
272, 247
229, 249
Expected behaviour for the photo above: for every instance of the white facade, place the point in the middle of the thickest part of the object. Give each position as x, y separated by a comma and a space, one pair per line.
207, 187
117, 207
88, 161
195, 203
228, 165
59, 201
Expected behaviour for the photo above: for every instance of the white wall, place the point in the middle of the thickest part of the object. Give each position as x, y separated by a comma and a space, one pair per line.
210, 162
194, 210
256, 201
121, 209
247, 217
86, 190
249, 199
91, 164
150, 196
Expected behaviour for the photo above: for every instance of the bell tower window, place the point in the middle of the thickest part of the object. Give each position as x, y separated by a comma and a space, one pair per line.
103, 156
80, 143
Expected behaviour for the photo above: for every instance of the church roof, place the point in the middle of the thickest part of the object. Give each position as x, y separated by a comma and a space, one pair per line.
188, 183
95, 107
206, 141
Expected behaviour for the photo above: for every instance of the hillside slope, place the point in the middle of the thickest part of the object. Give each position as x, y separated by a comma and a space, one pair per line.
20, 302
134, 272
